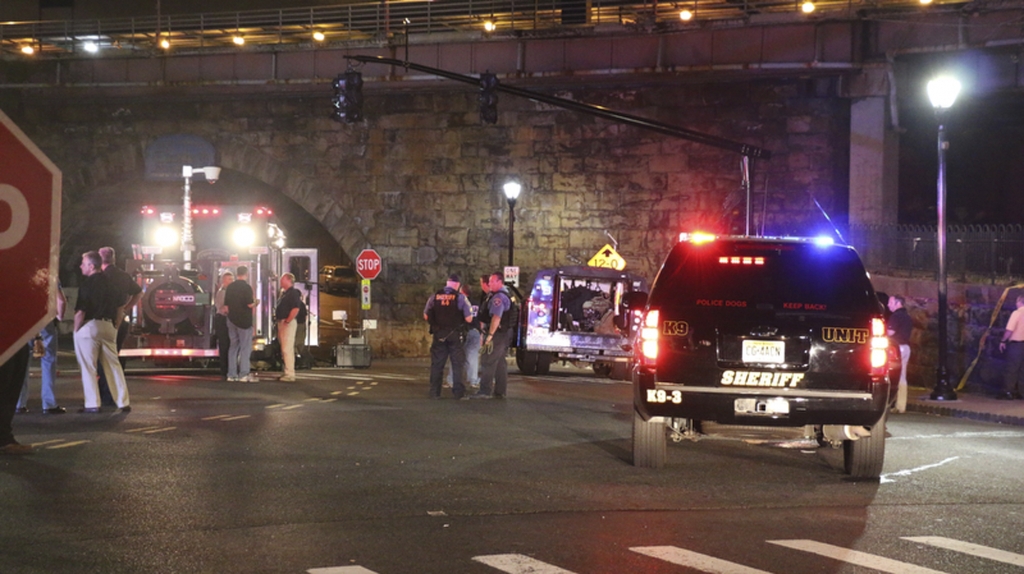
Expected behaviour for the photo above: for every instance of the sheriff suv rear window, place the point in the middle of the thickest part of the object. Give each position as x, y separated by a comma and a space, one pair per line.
782, 277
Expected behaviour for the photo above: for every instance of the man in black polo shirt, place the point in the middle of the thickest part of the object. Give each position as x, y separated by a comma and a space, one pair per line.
95, 336
131, 293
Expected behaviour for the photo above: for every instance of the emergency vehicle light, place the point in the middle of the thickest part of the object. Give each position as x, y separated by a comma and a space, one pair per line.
649, 336
879, 347
738, 260
824, 241
147, 210
166, 236
697, 237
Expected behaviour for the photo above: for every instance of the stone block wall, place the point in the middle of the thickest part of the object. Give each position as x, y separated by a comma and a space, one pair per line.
420, 179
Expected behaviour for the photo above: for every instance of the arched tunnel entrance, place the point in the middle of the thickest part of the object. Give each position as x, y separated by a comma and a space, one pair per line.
112, 216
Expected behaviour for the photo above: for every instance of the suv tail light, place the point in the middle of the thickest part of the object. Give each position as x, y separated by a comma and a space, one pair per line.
879, 348
649, 337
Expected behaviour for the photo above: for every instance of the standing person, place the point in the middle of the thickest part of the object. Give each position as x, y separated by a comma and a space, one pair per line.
1013, 344
240, 301
286, 313
48, 363
131, 293
899, 330
496, 337
12, 373
447, 312
220, 323
473, 339
96, 310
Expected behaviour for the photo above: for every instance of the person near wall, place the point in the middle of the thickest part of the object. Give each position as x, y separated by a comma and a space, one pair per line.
899, 329
1013, 344
131, 294
448, 312
240, 301
48, 363
495, 316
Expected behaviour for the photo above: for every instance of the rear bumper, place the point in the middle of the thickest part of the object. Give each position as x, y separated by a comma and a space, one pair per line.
719, 404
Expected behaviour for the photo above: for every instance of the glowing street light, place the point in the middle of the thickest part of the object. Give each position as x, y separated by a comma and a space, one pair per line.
942, 92
512, 189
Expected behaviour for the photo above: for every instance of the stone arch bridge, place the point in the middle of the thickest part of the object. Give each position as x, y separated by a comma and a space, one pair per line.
419, 179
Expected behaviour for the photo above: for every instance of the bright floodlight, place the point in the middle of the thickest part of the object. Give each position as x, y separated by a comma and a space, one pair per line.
244, 236
91, 47
685, 15
512, 190
823, 241
942, 91
166, 236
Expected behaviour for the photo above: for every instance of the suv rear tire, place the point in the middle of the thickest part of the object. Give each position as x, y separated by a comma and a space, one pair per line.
863, 458
649, 443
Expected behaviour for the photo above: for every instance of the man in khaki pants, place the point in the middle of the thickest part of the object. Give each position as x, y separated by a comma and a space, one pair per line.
288, 307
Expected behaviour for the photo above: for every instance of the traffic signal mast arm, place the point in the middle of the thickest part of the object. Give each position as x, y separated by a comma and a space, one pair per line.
594, 110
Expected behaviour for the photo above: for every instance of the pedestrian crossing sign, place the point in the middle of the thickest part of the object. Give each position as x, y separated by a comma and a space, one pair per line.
608, 258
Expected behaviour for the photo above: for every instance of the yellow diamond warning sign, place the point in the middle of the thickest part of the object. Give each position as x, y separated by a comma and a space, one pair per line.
609, 258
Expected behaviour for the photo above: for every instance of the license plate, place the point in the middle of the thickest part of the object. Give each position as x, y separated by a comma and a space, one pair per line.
764, 351
772, 406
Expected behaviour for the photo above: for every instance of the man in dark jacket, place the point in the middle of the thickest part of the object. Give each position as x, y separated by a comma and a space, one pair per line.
448, 311
899, 330
240, 301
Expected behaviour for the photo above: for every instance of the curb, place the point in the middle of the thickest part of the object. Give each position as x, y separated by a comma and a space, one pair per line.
952, 411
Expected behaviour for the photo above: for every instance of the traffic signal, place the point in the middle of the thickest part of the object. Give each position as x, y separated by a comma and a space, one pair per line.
488, 98
348, 97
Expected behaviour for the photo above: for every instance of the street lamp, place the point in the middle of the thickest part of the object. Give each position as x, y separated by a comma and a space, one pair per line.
512, 189
187, 171
942, 92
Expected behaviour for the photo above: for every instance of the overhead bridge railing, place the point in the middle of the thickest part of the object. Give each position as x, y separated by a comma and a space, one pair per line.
391, 21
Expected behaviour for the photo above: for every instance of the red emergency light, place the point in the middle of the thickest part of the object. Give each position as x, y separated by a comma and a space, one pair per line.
741, 260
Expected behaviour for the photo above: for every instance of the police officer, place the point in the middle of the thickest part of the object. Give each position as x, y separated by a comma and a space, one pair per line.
448, 311
497, 334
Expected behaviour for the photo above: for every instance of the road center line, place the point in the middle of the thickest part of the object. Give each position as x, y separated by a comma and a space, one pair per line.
519, 564
47, 442
341, 570
855, 557
215, 417
290, 407
969, 548
888, 477
697, 561
237, 418
142, 429
154, 431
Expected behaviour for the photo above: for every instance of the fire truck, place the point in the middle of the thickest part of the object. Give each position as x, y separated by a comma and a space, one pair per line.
179, 265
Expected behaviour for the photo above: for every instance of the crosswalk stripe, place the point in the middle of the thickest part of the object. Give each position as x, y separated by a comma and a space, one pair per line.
697, 561
969, 548
855, 557
519, 564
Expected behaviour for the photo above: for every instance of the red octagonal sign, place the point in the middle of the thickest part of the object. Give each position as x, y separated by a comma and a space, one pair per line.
29, 237
368, 264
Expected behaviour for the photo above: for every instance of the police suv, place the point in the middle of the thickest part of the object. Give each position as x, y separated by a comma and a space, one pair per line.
747, 334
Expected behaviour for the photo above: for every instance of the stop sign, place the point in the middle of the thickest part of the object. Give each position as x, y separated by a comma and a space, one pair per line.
29, 237
368, 264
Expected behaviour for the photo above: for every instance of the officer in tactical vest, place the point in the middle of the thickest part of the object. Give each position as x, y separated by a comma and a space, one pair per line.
448, 311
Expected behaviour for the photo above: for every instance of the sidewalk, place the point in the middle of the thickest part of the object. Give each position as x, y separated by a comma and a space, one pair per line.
967, 406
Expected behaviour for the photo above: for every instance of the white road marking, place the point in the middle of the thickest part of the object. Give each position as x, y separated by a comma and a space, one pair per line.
312, 399
67, 444
290, 407
889, 477
154, 431
341, 570
969, 548
990, 434
215, 417
142, 429
690, 559
237, 418
518, 564
277, 406
855, 557
329, 400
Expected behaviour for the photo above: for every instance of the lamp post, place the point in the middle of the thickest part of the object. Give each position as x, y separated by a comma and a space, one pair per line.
187, 171
942, 92
512, 189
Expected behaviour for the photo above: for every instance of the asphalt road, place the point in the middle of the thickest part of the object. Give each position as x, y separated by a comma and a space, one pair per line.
356, 472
